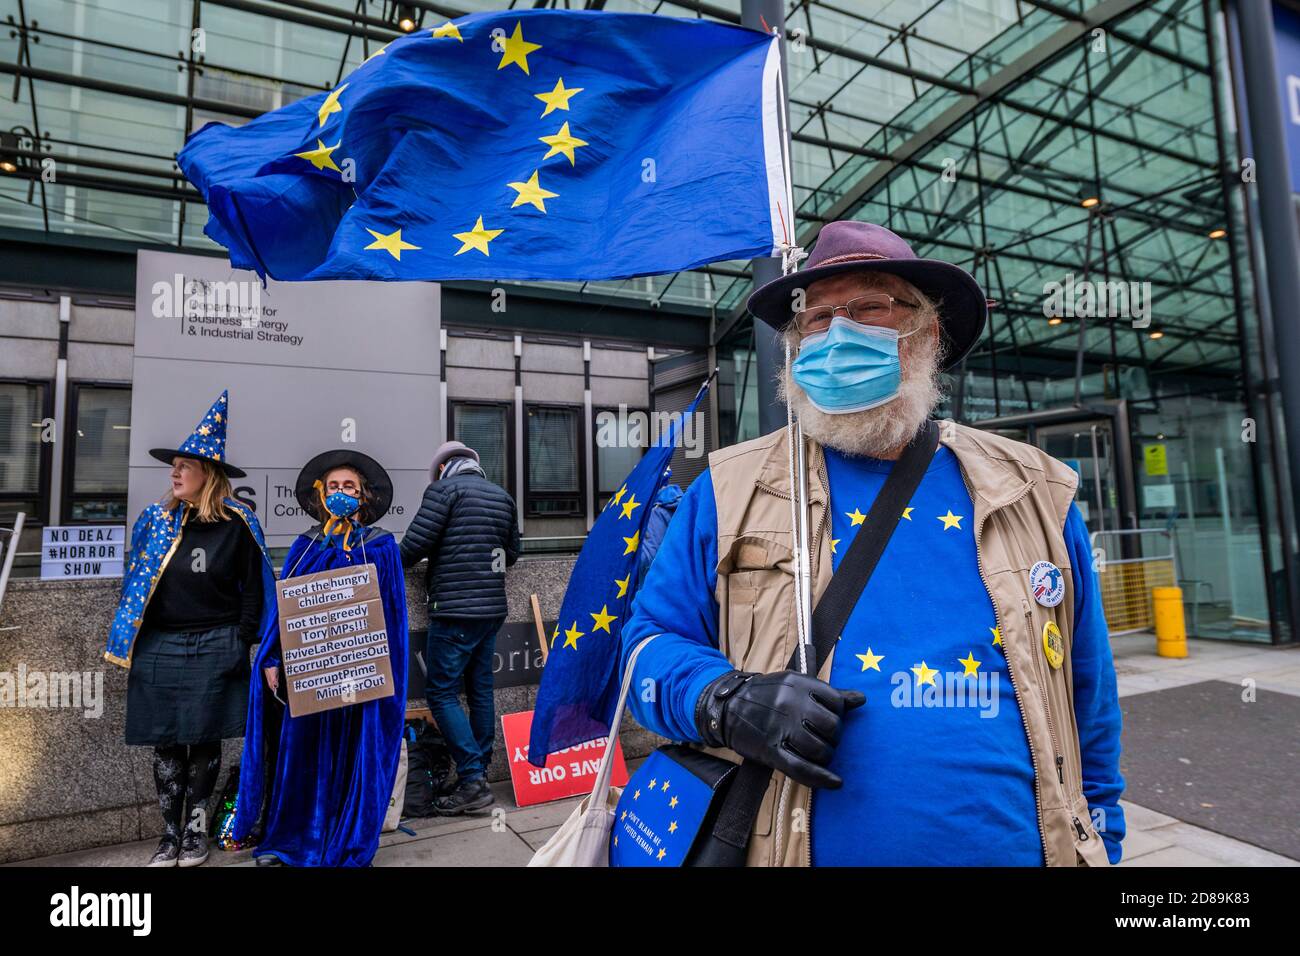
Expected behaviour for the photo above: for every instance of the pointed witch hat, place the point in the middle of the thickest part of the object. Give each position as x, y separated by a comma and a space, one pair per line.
208, 443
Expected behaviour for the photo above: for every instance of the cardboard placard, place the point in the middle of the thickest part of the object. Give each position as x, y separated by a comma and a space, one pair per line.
568, 773
333, 639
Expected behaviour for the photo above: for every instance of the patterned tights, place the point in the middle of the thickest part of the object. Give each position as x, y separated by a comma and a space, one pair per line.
185, 775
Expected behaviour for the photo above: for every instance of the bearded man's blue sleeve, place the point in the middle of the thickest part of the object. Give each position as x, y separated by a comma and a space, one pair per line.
677, 603
1096, 698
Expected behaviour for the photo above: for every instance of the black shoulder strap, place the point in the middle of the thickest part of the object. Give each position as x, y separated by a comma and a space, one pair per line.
730, 837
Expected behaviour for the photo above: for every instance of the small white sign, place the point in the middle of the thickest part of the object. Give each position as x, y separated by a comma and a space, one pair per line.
82, 551
1158, 496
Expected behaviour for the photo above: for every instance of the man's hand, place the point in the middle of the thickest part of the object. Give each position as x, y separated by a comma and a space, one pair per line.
272, 678
787, 721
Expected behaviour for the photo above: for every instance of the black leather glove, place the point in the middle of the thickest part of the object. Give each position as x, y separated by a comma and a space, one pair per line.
787, 721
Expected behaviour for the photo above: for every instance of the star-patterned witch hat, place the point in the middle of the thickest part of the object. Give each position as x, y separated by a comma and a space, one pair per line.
208, 443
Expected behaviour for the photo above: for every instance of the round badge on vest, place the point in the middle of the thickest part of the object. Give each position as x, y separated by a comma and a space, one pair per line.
1047, 582
1053, 645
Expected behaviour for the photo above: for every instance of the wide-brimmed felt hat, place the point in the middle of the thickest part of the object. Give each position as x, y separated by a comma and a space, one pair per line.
852, 246
380, 485
208, 442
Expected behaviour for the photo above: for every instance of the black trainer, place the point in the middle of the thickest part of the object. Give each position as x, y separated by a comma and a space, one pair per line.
194, 848
169, 848
469, 795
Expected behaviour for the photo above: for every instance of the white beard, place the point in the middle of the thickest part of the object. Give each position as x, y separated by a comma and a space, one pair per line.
881, 431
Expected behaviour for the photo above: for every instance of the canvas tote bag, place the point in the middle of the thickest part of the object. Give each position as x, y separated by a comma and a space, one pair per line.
395, 803
583, 840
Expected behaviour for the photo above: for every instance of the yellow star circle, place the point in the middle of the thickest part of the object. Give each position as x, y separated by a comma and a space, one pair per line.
391, 243
603, 619
564, 143
531, 192
515, 49
870, 661
477, 238
558, 98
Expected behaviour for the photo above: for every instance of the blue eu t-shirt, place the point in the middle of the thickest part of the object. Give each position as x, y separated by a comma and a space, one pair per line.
936, 764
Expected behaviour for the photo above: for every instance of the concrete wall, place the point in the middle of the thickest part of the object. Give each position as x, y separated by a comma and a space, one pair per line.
68, 782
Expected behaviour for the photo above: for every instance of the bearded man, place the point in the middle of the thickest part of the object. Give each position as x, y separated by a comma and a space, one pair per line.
967, 713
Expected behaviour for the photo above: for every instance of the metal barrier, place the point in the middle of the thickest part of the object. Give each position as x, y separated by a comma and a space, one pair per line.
1126, 582
9, 549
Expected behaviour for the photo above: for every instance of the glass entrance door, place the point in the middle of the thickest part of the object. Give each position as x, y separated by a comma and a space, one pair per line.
1089, 448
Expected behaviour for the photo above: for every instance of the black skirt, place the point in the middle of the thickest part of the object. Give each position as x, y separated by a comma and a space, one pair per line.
187, 687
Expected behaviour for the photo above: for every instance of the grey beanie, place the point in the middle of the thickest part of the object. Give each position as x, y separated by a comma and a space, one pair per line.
446, 452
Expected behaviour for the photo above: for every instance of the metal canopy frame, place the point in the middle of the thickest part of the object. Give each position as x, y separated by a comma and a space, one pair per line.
1029, 119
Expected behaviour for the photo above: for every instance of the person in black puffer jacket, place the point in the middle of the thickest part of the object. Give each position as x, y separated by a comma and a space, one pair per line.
468, 529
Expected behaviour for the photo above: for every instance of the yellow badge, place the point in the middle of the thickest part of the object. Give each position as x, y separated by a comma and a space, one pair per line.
1053, 645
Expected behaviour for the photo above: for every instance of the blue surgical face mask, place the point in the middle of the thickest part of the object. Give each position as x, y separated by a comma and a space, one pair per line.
342, 505
849, 367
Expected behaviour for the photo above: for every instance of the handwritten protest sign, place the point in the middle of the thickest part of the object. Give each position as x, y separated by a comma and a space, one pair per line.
333, 640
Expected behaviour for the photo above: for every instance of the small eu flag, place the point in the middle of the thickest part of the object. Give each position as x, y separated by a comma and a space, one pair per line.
531, 145
580, 683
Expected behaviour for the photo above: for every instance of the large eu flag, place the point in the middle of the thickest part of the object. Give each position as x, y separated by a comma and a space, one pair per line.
580, 683
538, 144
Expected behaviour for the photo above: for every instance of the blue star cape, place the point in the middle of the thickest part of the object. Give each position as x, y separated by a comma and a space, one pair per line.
154, 538
335, 769
532, 144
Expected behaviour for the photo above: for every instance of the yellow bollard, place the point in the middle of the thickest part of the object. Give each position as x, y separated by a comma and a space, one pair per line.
1171, 627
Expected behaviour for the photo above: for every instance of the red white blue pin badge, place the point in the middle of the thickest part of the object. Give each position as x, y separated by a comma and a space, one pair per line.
1047, 583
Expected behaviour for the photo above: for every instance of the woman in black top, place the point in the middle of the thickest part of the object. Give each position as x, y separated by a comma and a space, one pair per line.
189, 666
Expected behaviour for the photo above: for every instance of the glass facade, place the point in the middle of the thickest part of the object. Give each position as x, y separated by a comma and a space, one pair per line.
1070, 155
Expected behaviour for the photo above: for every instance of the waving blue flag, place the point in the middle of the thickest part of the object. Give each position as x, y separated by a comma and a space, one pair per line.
539, 144
580, 683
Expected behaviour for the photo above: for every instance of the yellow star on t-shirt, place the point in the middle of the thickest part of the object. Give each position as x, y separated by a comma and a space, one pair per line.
633, 541
664, 788
997, 636
950, 520
637, 795
856, 517
672, 804
834, 542
448, 29
331, 105
477, 238
515, 49
531, 192
925, 675
622, 585
630, 505
558, 98
907, 512
870, 661
603, 619
572, 635
562, 142
320, 156
653, 781
392, 243
969, 663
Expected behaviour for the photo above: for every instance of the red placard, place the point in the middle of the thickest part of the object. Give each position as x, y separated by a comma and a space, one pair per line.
568, 773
